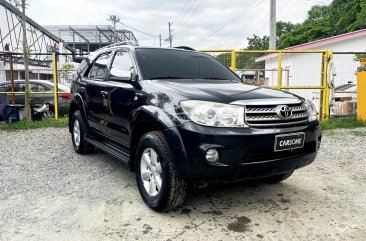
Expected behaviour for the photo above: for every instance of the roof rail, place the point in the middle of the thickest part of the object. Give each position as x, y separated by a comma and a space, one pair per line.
133, 43
185, 47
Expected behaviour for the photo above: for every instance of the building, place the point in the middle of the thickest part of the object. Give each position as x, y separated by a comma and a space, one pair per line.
69, 41
305, 69
88, 38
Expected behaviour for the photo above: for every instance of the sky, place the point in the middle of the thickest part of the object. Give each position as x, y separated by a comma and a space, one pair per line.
201, 24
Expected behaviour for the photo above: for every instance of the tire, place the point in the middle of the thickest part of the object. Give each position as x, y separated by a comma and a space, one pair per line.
277, 178
156, 171
78, 132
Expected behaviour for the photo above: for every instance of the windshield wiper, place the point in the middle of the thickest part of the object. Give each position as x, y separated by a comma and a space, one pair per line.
213, 78
168, 77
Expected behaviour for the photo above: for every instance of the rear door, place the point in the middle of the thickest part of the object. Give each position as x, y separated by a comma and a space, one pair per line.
91, 88
119, 102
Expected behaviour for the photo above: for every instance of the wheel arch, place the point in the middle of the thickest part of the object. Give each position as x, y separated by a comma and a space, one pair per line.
152, 118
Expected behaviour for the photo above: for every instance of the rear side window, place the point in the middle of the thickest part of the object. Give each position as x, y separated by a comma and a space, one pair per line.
99, 68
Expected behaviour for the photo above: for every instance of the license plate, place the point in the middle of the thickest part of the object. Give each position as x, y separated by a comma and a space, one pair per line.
289, 141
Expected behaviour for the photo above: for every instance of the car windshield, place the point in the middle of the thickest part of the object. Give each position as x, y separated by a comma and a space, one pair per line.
178, 64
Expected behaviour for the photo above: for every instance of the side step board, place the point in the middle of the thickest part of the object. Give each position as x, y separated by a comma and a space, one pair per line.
109, 149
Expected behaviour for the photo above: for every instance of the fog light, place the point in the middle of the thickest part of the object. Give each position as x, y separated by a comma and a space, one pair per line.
212, 155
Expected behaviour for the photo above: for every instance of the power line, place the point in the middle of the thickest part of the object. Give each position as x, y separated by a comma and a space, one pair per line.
198, 5
181, 11
233, 20
185, 13
140, 31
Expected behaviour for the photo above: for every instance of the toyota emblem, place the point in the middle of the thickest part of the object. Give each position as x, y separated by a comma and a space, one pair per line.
284, 112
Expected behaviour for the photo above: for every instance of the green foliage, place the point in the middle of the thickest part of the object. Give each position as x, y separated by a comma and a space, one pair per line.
323, 21
26, 124
326, 21
66, 69
258, 43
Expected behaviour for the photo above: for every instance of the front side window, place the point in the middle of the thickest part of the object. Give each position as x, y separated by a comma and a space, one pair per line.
122, 60
100, 67
178, 64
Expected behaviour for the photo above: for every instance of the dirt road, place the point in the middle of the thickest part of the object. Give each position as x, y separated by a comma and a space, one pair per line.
47, 192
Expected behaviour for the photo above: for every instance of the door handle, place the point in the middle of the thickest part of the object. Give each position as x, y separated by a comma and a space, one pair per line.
104, 94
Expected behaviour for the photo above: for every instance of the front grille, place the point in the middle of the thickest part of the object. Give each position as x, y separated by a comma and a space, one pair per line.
266, 116
269, 154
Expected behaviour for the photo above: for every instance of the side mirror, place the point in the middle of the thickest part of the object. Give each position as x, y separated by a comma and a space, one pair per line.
117, 74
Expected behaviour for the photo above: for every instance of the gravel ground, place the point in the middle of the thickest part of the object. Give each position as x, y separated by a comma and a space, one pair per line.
48, 192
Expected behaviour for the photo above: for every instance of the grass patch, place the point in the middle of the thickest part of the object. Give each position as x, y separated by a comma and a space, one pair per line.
359, 133
347, 123
25, 124
330, 133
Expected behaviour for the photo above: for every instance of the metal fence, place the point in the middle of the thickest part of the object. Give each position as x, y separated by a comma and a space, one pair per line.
320, 76
45, 72
304, 73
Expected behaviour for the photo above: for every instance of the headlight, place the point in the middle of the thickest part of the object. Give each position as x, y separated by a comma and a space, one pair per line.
214, 114
311, 110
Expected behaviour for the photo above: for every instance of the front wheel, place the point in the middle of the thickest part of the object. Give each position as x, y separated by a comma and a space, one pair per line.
156, 178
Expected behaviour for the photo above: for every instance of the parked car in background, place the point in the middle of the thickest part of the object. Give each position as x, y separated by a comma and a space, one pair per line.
40, 99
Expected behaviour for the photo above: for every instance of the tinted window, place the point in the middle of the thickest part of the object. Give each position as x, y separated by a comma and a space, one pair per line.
5, 88
38, 88
122, 60
170, 63
99, 68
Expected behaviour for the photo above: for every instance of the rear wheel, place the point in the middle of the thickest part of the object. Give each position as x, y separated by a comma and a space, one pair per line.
278, 178
78, 133
156, 178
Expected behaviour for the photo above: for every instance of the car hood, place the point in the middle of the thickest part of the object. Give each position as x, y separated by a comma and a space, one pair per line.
218, 90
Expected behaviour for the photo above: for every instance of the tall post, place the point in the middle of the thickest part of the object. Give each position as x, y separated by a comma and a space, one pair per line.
114, 19
12, 79
26, 53
279, 70
170, 34
160, 40
272, 27
55, 84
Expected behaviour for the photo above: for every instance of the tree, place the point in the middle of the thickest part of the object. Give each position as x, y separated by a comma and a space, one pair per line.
322, 21
326, 21
262, 43
258, 43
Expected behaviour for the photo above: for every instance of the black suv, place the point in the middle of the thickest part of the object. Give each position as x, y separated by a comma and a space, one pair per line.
178, 117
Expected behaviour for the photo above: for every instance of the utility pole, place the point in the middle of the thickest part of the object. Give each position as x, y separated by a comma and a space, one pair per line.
272, 26
170, 39
160, 40
114, 19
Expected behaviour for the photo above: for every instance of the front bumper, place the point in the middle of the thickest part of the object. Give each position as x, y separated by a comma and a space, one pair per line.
245, 153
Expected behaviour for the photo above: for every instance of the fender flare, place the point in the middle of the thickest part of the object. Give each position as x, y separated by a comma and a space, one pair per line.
165, 123
79, 102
